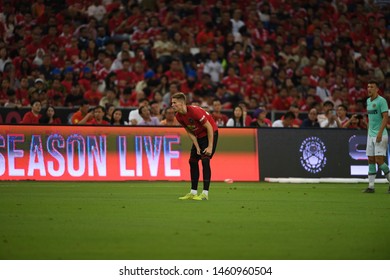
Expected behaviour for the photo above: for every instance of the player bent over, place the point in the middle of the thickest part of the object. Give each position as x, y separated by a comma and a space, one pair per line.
203, 132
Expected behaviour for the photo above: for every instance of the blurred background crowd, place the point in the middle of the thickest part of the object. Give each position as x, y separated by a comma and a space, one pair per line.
241, 60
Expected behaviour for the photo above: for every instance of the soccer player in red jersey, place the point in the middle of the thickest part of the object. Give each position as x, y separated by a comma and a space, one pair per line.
203, 132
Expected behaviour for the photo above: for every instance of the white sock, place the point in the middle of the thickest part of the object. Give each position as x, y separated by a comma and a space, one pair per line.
371, 181
206, 193
194, 191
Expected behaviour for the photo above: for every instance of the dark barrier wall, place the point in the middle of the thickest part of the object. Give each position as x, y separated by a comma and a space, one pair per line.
119, 153
312, 153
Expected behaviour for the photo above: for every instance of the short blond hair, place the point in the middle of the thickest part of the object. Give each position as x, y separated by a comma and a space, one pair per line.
180, 96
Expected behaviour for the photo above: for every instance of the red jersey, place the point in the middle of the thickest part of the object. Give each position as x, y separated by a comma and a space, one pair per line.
128, 77
194, 120
175, 76
22, 96
30, 118
139, 35
76, 117
115, 22
93, 97
256, 91
205, 38
357, 93
48, 40
67, 85
232, 83
95, 122
102, 73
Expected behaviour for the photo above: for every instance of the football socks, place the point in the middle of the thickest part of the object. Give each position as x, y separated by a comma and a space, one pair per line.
385, 168
206, 173
194, 170
372, 168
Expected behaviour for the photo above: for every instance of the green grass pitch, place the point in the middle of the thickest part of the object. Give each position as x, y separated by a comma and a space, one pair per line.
145, 220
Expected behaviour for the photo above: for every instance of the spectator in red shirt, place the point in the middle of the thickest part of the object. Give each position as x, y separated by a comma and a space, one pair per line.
118, 26
51, 36
68, 79
22, 92
81, 113
138, 72
36, 42
233, 82
282, 101
22, 55
357, 91
65, 38
140, 37
219, 118
154, 28
95, 117
72, 51
206, 36
259, 34
38, 8
175, 73
80, 62
59, 59
135, 15
255, 89
105, 69
56, 91
93, 95
125, 77
86, 78
328, 37
34, 115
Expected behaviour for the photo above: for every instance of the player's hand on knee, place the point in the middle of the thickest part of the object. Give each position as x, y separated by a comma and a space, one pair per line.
207, 151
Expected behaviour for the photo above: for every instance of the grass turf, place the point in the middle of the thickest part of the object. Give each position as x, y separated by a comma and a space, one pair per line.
145, 220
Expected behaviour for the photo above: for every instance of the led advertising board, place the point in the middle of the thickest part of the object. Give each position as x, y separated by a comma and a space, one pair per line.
98, 153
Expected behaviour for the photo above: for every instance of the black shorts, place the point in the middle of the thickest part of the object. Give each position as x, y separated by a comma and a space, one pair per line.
203, 144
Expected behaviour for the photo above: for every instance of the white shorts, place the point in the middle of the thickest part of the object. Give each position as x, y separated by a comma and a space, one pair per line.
376, 149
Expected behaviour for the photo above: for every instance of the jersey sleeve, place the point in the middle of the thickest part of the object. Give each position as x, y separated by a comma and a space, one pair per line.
384, 107
200, 115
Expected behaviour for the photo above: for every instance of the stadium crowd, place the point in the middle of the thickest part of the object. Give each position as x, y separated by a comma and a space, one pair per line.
239, 59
